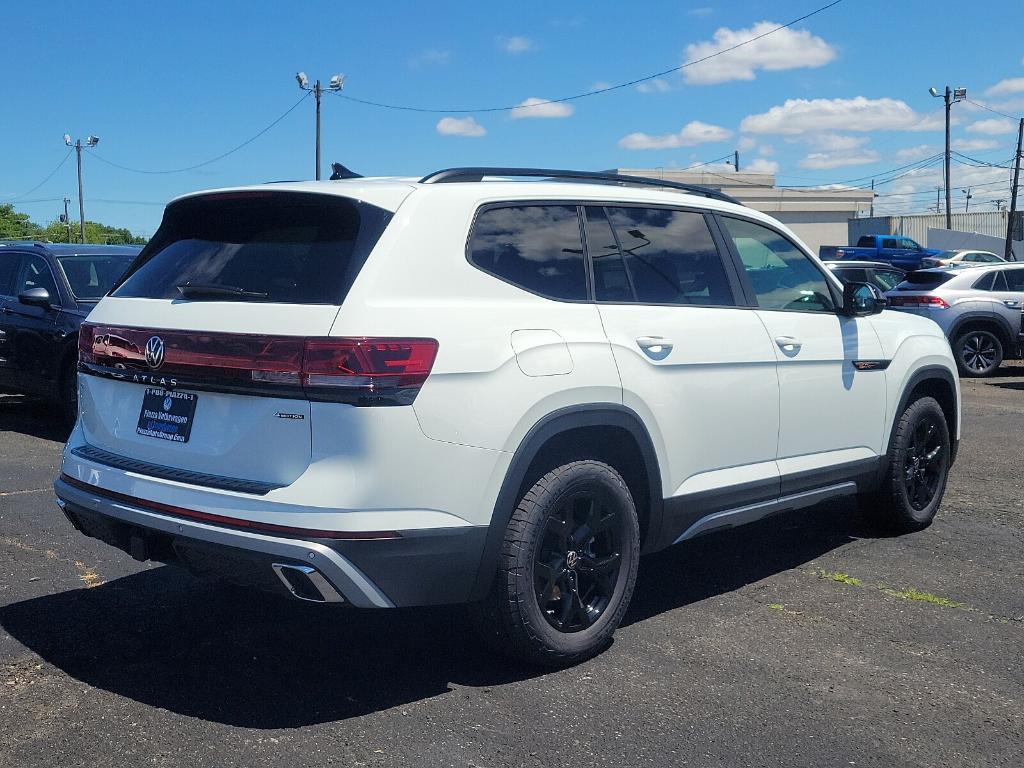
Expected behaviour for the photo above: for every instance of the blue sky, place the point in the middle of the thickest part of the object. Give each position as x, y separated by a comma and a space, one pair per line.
841, 96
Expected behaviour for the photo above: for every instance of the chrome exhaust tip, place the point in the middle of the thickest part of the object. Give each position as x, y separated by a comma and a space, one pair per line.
306, 583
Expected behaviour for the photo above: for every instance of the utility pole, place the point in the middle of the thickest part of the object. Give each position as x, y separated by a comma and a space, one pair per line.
950, 97
872, 198
336, 83
1008, 251
66, 220
92, 141
938, 205
736, 161
967, 205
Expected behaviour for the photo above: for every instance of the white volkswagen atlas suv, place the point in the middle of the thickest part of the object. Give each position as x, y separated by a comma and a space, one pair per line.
490, 386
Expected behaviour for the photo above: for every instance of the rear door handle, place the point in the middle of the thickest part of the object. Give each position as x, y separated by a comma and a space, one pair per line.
788, 344
655, 347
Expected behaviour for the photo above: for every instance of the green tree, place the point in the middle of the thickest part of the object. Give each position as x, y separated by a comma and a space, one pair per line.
16, 226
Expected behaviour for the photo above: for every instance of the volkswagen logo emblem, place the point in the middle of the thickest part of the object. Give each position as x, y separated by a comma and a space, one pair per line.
155, 352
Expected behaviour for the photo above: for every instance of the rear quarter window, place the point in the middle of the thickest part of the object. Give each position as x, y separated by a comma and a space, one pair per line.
284, 247
534, 247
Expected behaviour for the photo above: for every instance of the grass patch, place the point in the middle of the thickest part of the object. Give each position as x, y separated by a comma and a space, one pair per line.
924, 597
842, 578
777, 606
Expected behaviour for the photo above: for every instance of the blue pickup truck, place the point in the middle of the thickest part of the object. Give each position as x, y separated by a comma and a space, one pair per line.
901, 252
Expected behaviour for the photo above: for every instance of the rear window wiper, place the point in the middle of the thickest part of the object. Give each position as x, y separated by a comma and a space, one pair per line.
197, 290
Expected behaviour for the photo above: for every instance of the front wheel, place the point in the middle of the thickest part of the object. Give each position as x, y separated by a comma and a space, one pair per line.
917, 468
567, 568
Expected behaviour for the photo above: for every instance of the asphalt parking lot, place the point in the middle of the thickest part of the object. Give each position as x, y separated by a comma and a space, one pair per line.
804, 640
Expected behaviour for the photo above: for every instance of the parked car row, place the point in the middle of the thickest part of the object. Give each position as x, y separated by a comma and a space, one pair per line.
904, 253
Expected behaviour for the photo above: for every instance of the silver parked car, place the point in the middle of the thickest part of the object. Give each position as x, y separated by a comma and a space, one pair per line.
979, 309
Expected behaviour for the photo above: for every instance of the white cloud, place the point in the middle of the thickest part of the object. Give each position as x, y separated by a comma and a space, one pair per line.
835, 142
783, 49
517, 44
974, 145
746, 143
701, 12
654, 86
992, 127
808, 116
689, 135
919, 152
460, 126
760, 165
534, 107
841, 159
1007, 86
766, 150
600, 85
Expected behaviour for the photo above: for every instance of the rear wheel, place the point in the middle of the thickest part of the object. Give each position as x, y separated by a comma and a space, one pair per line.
979, 353
918, 465
567, 569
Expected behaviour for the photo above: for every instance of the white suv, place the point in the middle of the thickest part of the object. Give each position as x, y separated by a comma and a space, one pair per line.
478, 388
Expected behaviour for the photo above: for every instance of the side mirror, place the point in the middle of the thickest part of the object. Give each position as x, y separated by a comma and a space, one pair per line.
862, 299
36, 297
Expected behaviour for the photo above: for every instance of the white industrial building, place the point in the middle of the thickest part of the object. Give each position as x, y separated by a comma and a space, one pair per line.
818, 216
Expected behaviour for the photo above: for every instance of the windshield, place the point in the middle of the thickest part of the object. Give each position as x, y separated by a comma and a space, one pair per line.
92, 275
284, 247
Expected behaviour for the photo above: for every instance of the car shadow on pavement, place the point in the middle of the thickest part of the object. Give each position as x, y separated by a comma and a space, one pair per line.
255, 660
29, 416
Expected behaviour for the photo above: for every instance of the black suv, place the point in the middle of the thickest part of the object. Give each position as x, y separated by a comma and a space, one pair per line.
46, 290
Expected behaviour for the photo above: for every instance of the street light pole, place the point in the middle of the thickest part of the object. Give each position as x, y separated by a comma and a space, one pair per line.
950, 96
336, 83
92, 141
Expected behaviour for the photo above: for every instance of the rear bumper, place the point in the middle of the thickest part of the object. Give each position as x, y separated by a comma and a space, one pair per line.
421, 567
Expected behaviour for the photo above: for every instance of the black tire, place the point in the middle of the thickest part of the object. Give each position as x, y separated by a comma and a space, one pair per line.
917, 467
979, 353
558, 608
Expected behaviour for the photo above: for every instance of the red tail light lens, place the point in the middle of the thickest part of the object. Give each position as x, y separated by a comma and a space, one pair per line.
360, 371
385, 370
918, 301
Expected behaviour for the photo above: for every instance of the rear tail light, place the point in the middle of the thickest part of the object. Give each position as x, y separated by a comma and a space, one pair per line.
936, 302
377, 371
360, 371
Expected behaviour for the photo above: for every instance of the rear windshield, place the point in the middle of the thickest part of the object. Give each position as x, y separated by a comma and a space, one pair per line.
92, 275
284, 247
918, 281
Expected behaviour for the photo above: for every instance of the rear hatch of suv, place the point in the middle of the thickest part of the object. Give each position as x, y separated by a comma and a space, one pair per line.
917, 293
198, 365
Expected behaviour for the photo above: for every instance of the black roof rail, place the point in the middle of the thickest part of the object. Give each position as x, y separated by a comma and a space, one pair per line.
477, 174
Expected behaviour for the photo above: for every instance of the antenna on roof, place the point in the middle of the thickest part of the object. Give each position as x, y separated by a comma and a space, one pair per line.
339, 171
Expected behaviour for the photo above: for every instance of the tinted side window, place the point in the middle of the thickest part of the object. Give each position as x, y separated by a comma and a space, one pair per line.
887, 280
670, 257
889, 243
985, 283
536, 247
611, 281
9, 263
999, 284
35, 273
851, 275
780, 273
1014, 279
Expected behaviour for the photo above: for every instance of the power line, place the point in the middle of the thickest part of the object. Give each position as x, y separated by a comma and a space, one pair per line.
993, 111
48, 177
211, 160
595, 91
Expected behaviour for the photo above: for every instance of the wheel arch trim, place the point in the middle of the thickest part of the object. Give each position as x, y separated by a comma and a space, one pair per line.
918, 377
556, 423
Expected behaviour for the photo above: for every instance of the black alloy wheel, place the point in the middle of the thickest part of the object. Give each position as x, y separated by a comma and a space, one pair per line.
924, 464
979, 353
577, 561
